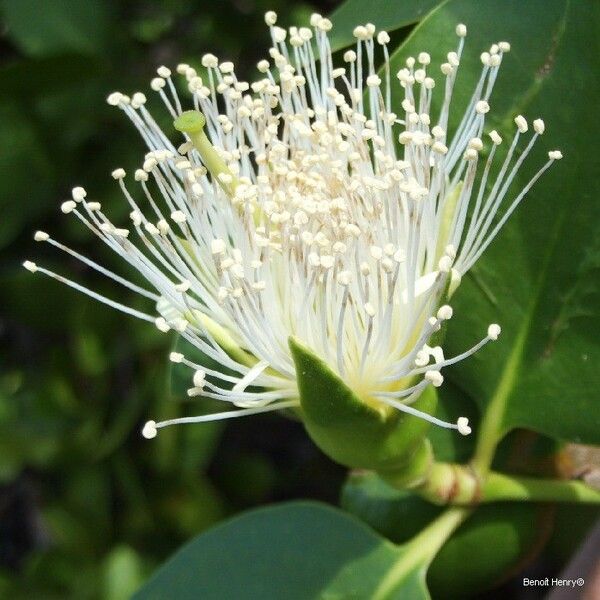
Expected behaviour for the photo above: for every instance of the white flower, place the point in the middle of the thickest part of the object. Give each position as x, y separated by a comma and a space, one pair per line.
290, 210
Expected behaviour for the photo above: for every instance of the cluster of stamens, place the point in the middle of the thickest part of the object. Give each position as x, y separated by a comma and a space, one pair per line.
302, 205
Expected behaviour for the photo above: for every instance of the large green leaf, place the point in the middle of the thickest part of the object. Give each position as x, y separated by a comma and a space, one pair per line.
384, 14
296, 551
539, 279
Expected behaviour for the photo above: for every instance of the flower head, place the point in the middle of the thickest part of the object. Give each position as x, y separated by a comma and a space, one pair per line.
305, 205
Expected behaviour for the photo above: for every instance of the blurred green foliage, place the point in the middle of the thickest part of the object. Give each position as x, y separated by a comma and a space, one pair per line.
87, 507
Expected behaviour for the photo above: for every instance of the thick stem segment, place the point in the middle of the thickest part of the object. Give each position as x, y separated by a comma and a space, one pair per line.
447, 483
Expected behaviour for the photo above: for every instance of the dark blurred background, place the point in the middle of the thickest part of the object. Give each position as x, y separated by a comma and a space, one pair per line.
88, 508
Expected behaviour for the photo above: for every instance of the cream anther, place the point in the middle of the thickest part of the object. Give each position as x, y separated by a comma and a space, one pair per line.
476, 144
176, 357
383, 38
138, 99
453, 59
210, 61
482, 107
494, 331
445, 264
161, 324
373, 81
78, 194
462, 425
434, 377
445, 312
178, 216
68, 206
149, 430
521, 123
218, 246
157, 84
495, 136
424, 58
199, 379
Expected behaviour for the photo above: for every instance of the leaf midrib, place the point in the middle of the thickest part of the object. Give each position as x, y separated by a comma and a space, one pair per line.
493, 425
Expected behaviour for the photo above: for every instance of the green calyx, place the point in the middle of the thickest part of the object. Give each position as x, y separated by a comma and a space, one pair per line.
350, 430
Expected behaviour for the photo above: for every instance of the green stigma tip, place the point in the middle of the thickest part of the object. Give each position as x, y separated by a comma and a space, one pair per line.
190, 121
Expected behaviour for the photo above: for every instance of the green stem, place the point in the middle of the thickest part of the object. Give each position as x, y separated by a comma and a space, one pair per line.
500, 487
447, 483
426, 544
421, 550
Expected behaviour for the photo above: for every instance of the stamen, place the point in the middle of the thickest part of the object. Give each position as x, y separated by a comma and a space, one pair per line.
149, 430
80, 288
462, 424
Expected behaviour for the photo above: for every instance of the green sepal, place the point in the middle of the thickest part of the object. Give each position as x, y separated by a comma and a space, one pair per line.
355, 432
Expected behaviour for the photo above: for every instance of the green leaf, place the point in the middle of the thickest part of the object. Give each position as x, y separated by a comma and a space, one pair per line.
472, 559
497, 541
296, 551
384, 14
540, 278
354, 431
63, 25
